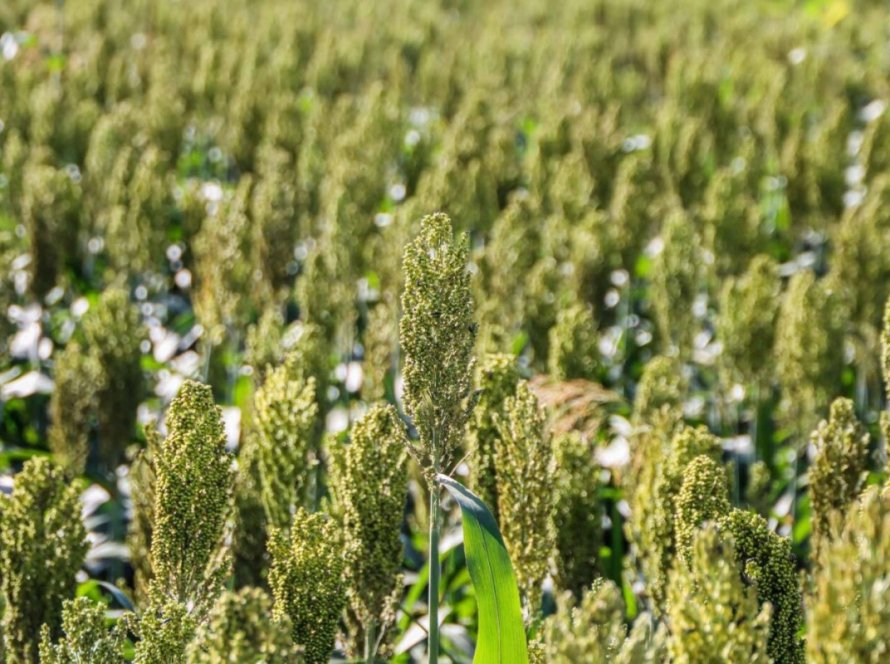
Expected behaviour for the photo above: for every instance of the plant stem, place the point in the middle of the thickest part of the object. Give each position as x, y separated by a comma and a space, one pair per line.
433, 600
370, 644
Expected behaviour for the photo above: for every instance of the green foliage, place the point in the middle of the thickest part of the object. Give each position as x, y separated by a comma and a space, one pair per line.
501, 638
369, 480
497, 377
714, 616
838, 470
437, 334
307, 582
239, 628
524, 466
42, 546
87, 637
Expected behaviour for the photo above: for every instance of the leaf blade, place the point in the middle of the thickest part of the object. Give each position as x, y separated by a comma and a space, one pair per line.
501, 638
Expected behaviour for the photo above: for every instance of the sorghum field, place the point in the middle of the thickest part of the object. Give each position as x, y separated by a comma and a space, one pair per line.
444, 331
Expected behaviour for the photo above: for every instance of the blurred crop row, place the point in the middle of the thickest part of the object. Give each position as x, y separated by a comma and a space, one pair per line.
678, 242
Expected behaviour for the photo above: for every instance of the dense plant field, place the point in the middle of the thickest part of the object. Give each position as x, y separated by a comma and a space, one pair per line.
560, 326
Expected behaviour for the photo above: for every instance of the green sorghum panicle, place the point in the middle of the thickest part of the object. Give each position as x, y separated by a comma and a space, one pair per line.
192, 500
573, 347
307, 581
578, 512
590, 630
746, 324
42, 546
763, 558
142, 478
767, 561
164, 629
809, 350
437, 334
72, 407
885, 369
658, 536
675, 281
714, 616
285, 414
380, 340
704, 496
524, 465
370, 482
240, 628
661, 385
51, 203
848, 613
838, 469
114, 332
497, 377
86, 636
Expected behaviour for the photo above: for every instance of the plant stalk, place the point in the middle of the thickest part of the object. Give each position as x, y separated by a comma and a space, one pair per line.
433, 600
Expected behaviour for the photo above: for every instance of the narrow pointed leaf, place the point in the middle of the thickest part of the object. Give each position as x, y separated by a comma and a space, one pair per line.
501, 638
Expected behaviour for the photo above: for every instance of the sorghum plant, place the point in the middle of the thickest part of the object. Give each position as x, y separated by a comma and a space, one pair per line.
42, 546
437, 335
240, 628
714, 615
524, 466
838, 470
370, 482
497, 377
86, 636
307, 582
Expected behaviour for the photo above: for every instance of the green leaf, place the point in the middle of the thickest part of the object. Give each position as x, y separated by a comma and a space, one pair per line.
501, 638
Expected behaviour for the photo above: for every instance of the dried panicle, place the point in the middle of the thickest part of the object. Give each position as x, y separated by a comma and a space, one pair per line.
746, 324
658, 534
72, 407
848, 614
370, 483
524, 466
675, 282
714, 616
578, 512
307, 582
437, 335
573, 347
192, 501
42, 546
809, 350
86, 636
240, 629
838, 469
497, 377
114, 332
285, 413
